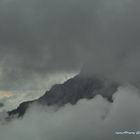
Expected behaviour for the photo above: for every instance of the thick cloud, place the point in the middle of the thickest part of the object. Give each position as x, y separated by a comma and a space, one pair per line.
39, 37
94, 119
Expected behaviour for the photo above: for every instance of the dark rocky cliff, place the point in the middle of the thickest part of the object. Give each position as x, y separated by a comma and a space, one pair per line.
71, 91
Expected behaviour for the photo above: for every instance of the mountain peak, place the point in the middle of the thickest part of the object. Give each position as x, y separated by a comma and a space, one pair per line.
74, 89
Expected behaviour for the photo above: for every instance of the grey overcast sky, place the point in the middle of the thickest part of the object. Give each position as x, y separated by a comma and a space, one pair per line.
43, 42
42, 37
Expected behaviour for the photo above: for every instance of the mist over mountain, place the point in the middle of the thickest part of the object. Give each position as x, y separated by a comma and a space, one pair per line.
73, 90
40, 39
96, 118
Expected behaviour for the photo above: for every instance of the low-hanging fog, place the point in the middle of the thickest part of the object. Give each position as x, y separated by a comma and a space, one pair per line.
89, 119
41, 38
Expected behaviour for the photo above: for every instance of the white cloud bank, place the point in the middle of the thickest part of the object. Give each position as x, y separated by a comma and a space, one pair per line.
96, 119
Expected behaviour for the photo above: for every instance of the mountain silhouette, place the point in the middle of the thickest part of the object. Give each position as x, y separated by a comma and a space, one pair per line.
71, 91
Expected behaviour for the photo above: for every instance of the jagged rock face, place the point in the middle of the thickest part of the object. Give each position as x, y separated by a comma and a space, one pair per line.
71, 91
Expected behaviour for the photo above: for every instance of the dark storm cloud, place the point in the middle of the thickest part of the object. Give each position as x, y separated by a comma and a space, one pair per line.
39, 37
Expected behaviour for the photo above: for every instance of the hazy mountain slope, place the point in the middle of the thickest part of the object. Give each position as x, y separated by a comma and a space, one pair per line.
71, 91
